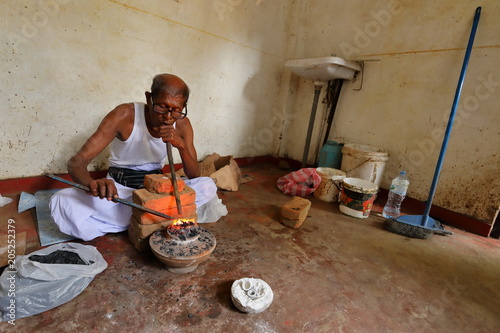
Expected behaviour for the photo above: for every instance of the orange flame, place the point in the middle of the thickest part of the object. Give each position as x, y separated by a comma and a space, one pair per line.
183, 223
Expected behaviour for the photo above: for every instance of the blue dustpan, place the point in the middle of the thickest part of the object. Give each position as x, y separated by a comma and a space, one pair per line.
425, 222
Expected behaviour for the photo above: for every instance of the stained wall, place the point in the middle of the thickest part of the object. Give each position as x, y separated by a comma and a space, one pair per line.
68, 63
412, 53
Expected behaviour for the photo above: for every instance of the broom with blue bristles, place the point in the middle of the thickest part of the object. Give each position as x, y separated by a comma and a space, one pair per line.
424, 226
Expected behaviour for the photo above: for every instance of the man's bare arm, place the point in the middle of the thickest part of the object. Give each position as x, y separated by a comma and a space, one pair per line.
109, 128
188, 152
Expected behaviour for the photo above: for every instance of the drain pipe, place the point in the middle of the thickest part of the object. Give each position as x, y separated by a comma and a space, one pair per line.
317, 91
333, 95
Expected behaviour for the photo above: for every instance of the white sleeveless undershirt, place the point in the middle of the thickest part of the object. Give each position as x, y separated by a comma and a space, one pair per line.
141, 151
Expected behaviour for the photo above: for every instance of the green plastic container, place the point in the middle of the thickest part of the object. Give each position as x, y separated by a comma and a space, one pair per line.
330, 155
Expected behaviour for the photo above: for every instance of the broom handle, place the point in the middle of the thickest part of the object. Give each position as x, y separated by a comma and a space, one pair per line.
125, 202
458, 92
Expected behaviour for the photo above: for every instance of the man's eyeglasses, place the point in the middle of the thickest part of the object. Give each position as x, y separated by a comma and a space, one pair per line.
176, 113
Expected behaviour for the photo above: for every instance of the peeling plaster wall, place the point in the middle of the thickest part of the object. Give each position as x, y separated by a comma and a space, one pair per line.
67, 63
413, 52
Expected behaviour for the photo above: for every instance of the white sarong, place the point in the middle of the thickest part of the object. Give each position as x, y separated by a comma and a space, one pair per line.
83, 216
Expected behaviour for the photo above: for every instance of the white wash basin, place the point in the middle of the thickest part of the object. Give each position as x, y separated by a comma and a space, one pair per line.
323, 69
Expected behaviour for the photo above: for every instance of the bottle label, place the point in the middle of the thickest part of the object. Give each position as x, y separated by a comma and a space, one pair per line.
401, 190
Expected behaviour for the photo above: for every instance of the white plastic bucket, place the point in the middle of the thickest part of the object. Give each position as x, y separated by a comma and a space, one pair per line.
364, 162
330, 179
357, 196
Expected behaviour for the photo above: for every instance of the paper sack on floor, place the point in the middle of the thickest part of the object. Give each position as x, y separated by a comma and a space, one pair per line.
33, 286
222, 169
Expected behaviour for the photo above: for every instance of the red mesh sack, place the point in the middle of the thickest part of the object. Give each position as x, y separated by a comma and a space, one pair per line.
299, 183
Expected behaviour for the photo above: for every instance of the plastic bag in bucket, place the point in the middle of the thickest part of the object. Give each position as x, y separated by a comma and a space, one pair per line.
357, 196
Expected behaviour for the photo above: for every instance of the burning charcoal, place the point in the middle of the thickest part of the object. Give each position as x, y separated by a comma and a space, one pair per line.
178, 246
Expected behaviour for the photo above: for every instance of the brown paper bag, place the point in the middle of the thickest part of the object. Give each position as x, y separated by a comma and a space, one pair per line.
223, 170
227, 175
207, 166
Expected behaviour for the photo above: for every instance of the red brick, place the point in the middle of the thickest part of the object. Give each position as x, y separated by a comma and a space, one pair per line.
162, 183
145, 230
188, 211
140, 244
291, 223
294, 212
296, 209
162, 202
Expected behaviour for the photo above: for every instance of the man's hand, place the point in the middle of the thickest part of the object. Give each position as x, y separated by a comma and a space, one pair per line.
103, 188
169, 134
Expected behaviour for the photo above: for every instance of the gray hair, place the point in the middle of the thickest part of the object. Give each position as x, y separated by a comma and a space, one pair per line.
170, 84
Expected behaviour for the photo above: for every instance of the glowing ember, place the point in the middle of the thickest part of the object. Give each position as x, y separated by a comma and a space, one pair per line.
183, 230
179, 224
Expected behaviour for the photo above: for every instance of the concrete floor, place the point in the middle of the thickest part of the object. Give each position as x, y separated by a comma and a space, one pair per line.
333, 274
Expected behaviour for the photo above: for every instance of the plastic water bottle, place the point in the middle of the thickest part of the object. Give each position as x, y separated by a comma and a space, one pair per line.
397, 193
